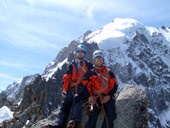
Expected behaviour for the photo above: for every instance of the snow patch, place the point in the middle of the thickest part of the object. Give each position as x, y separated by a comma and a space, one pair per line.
5, 114
27, 122
164, 118
53, 70
14, 89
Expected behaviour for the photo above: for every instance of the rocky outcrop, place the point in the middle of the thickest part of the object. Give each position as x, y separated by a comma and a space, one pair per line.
39, 99
3, 99
14, 92
131, 108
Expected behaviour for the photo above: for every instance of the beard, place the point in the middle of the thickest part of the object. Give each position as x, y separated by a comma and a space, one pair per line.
80, 57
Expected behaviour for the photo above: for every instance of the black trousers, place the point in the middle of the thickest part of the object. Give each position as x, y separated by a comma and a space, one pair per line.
74, 102
109, 108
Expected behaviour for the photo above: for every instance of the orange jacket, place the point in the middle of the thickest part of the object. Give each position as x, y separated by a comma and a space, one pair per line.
94, 80
71, 76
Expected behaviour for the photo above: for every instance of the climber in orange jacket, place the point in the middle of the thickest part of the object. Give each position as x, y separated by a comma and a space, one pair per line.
102, 86
73, 89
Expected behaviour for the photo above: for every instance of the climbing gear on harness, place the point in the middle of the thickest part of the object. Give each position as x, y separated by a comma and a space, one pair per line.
99, 75
74, 124
99, 95
80, 78
104, 83
91, 107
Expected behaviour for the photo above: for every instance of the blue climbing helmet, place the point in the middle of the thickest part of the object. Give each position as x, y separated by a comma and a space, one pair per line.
81, 47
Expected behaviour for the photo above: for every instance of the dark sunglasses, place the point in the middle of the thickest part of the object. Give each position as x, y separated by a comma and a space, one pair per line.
98, 58
78, 51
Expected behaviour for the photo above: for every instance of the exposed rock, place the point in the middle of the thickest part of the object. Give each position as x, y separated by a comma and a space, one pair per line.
3, 99
14, 92
131, 108
39, 100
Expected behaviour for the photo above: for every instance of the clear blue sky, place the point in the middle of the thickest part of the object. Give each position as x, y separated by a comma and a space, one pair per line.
33, 31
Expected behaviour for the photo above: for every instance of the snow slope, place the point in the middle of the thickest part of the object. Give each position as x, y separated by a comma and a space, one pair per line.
5, 114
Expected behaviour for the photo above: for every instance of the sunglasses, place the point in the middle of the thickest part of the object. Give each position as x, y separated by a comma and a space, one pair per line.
98, 58
78, 51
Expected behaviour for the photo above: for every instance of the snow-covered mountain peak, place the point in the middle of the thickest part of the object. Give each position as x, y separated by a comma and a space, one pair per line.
162, 32
14, 90
116, 32
123, 24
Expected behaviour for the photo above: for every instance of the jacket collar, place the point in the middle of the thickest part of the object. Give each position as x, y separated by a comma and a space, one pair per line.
101, 69
75, 61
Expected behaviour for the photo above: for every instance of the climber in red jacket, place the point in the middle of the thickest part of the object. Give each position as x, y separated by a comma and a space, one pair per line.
73, 89
102, 86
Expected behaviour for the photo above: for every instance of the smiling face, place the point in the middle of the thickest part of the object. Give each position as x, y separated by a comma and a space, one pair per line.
80, 54
98, 61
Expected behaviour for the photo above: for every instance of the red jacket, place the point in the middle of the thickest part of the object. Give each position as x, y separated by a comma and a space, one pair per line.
95, 77
71, 76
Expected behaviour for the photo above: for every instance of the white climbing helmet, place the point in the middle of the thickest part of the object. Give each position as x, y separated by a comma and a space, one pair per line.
98, 53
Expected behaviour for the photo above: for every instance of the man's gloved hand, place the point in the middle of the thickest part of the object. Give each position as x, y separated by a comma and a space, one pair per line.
105, 99
76, 98
64, 94
92, 100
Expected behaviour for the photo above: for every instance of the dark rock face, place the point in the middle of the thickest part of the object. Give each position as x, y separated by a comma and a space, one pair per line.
40, 98
131, 108
148, 59
14, 91
3, 99
141, 78
140, 51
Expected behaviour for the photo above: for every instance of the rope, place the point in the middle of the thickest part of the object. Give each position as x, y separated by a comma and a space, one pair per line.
99, 95
84, 70
102, 108
98, 74
81, 77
